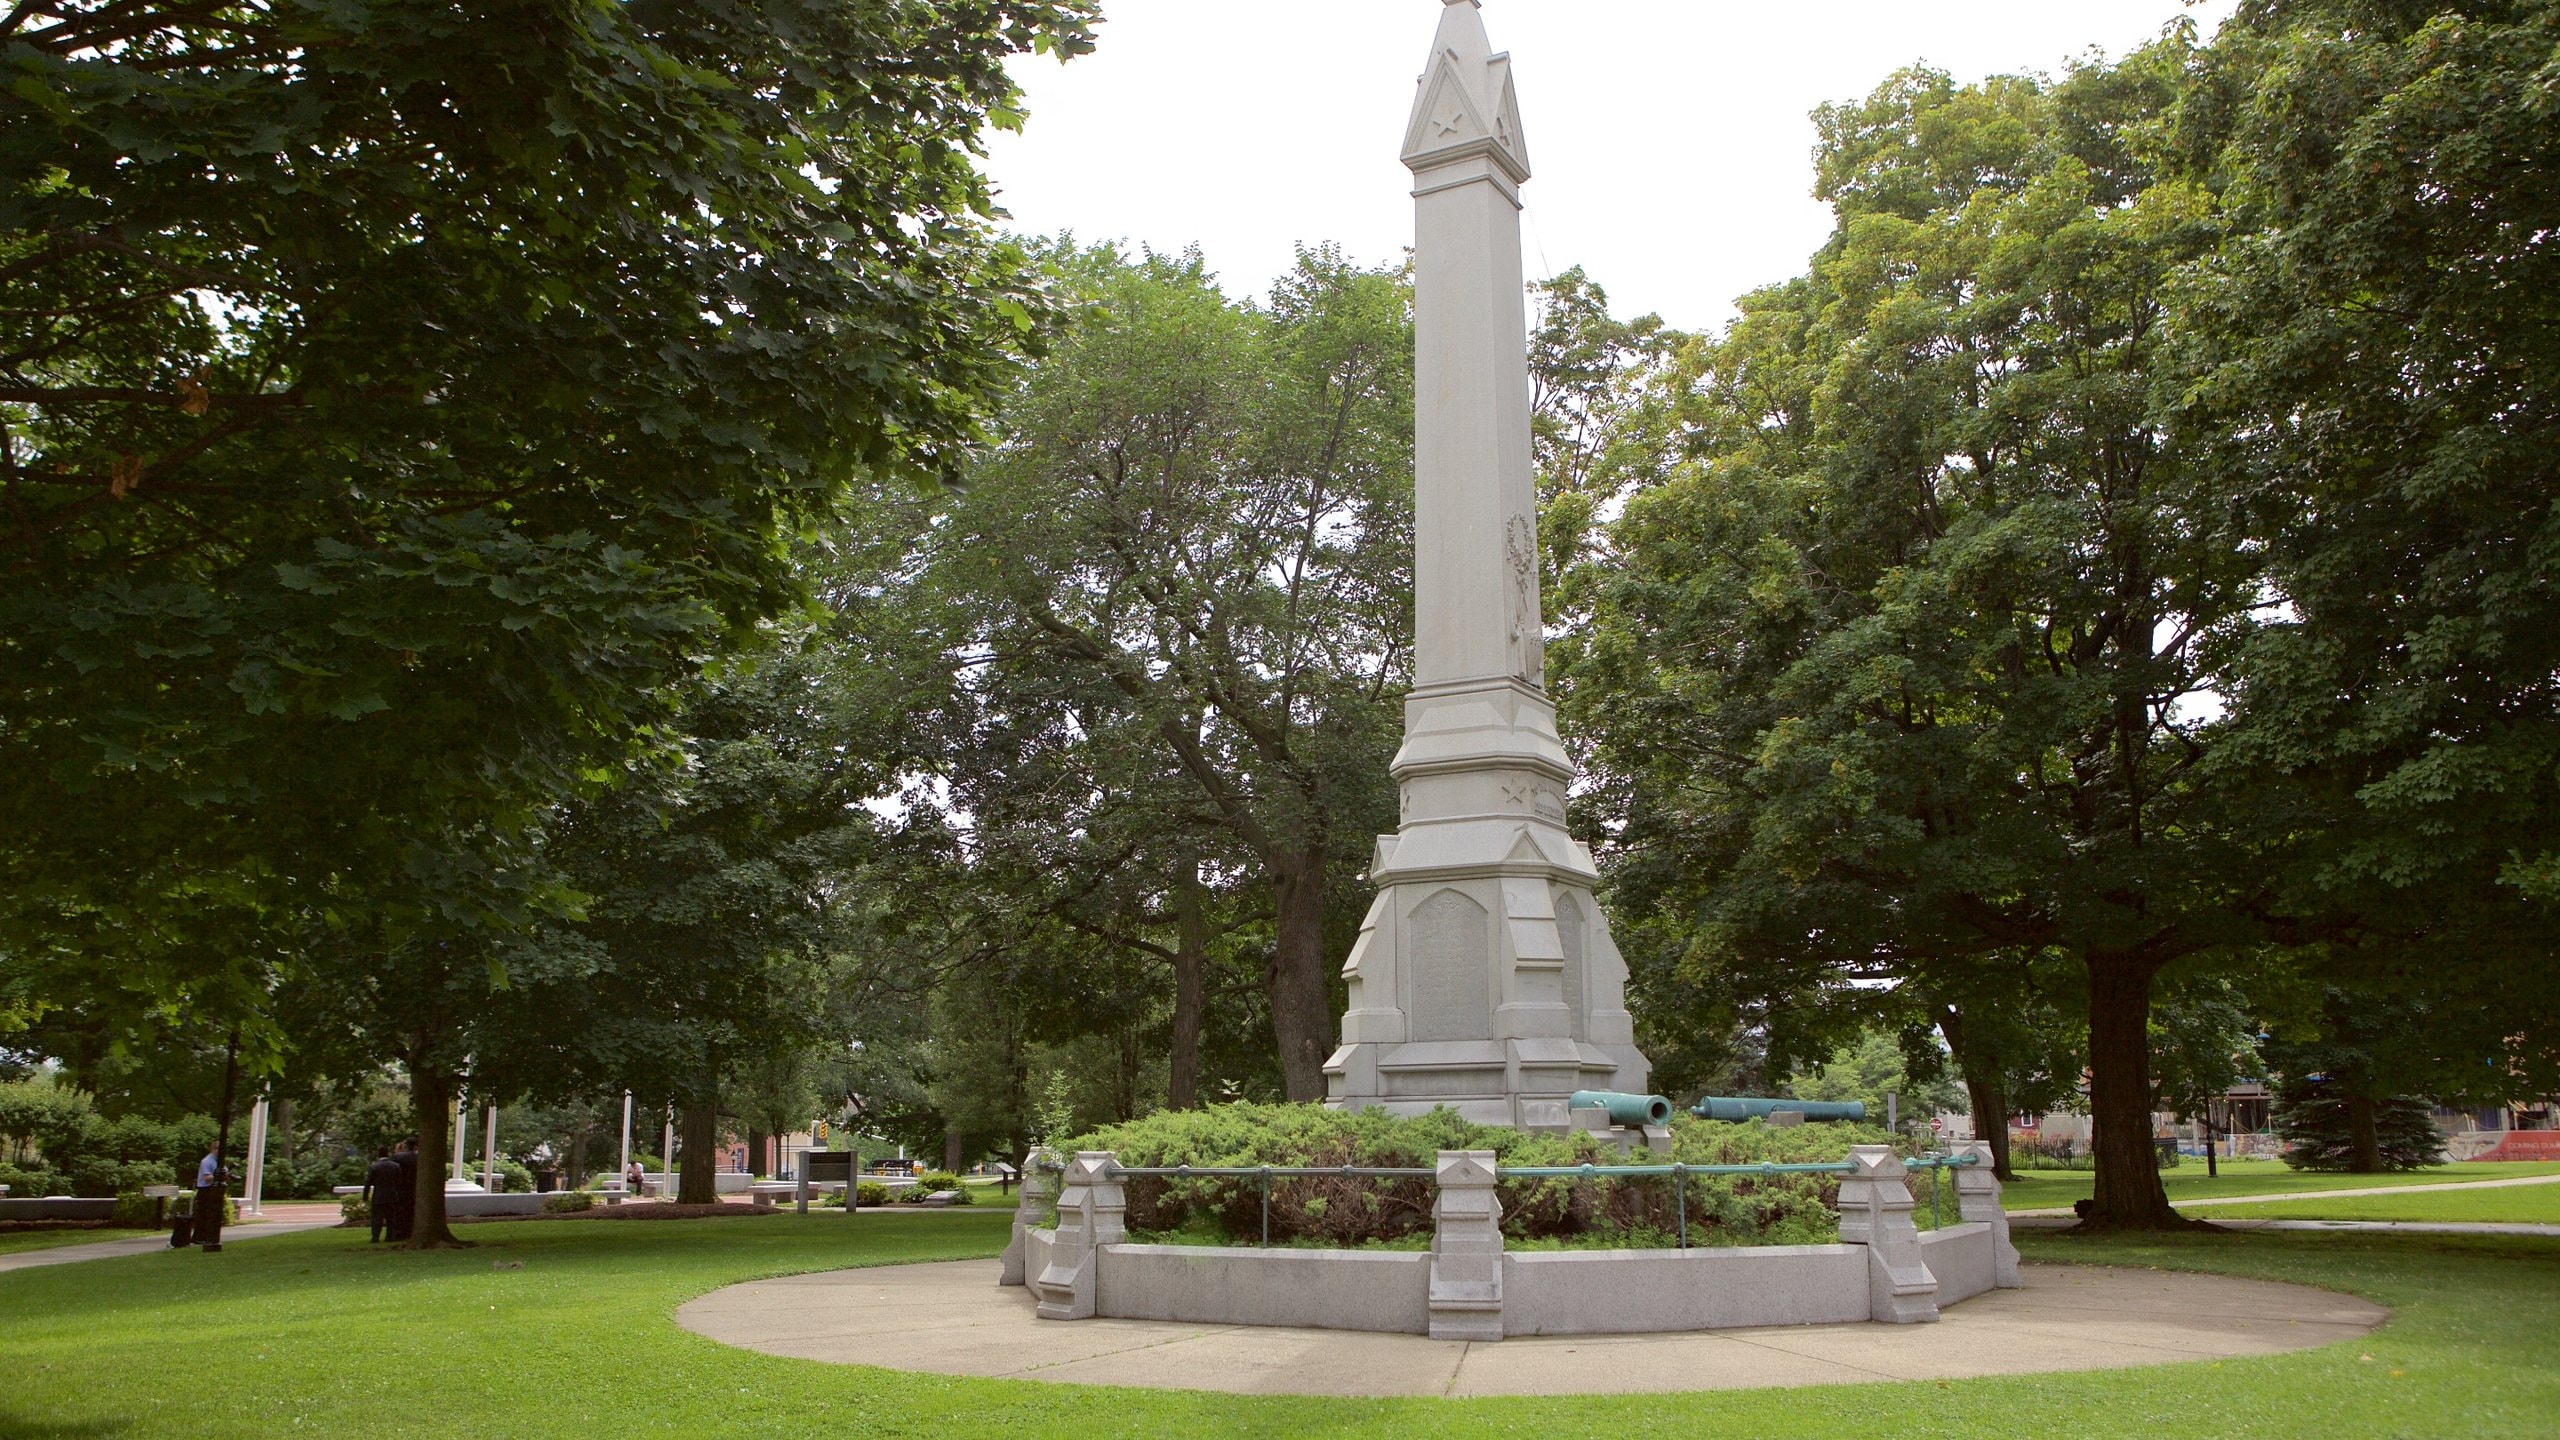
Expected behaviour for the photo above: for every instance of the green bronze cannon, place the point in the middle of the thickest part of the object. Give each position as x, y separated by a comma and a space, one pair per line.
1632, 1111
1719, 1108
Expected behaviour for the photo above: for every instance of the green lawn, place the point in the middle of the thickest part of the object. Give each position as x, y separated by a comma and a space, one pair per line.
318, 1334
2521, 1205
2056, 1189
25, 1240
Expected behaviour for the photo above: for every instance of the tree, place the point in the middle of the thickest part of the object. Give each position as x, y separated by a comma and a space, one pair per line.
1902, 673
1876, 1066
719, 891
2373, 354
394, 399
2327, 1123
1180, 580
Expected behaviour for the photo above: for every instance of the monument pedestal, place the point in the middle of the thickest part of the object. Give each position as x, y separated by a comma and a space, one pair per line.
1484, 978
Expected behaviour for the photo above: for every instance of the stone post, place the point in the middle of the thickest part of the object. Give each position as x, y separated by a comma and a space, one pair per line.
1090, 1209
1875, 1211
1028, 1210
1978, 1203
1466, 1249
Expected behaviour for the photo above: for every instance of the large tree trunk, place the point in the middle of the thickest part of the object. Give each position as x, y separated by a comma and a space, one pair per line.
2129, 1195
1302, 1018
1985, 1087
755, 1151
1190, 992
431, 1111
2364, 1132
955, 1147
701, 1125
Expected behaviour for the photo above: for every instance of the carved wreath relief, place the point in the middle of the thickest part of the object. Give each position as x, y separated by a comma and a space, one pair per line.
1528, 643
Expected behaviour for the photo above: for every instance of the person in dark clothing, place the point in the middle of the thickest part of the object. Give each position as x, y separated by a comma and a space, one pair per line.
213, 1188
405, 1214
383, 1196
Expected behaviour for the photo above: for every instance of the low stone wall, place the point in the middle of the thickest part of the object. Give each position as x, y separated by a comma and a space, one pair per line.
1647, 1292
1964, 1258
1468, 1288
476, 1207
1383, 1290
56, 1207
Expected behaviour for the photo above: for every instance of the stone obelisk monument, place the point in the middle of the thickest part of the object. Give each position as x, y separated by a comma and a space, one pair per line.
1484, 978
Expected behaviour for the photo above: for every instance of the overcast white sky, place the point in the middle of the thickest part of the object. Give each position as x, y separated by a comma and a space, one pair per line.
1670, 137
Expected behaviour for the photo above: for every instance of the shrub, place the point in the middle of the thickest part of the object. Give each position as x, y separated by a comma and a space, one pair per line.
354, 1210
932, 1182
869, 1192
313, 1177
26, 1181
98, 1177
1348, 1211
2048, 1152
513, 1179
40, 1117
571, 1203
136, 1210
2314, 1118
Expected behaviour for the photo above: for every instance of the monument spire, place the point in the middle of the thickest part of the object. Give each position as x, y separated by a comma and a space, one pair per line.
1484, 977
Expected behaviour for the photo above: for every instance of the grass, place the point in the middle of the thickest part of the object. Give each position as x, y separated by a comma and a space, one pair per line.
317, 1334
20, 1242
2522, 1205
2056, 1189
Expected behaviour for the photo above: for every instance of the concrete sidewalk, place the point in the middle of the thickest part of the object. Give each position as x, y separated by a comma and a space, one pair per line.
147, 1244
2319, 1195
952, 1319
2403, 1227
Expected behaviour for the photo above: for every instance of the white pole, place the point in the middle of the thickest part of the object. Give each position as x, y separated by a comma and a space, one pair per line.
461, 1139
624, 1169
667, 1159
489, 1154
253, 1190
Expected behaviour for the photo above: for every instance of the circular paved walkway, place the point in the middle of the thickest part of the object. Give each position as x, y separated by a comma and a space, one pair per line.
953, 1319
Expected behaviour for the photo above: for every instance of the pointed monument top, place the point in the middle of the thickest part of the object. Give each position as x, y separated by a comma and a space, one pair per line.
1466, 107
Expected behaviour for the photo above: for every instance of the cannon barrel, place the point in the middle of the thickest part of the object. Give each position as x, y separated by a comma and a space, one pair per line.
1721, 1108
1628, 1110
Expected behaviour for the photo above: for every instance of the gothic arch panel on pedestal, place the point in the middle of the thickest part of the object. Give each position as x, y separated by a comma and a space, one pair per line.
1451, 939
1572, 927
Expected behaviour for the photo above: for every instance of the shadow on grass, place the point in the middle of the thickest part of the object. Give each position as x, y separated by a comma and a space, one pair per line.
21, 1427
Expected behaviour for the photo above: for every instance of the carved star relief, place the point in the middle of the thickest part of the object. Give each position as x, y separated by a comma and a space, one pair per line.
1449, 123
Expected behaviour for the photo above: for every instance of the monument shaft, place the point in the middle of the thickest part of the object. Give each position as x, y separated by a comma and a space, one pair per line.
1484, 977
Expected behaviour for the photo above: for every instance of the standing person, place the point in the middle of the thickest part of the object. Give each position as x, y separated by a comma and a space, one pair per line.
382, 1194
212, 1184
404, 1214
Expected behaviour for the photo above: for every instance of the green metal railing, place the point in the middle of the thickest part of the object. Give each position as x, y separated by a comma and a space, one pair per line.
1262, 1175
1677, 1173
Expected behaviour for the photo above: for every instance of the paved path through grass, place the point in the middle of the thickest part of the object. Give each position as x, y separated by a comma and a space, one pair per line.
2325, 1196
952, 1319
147, 1243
